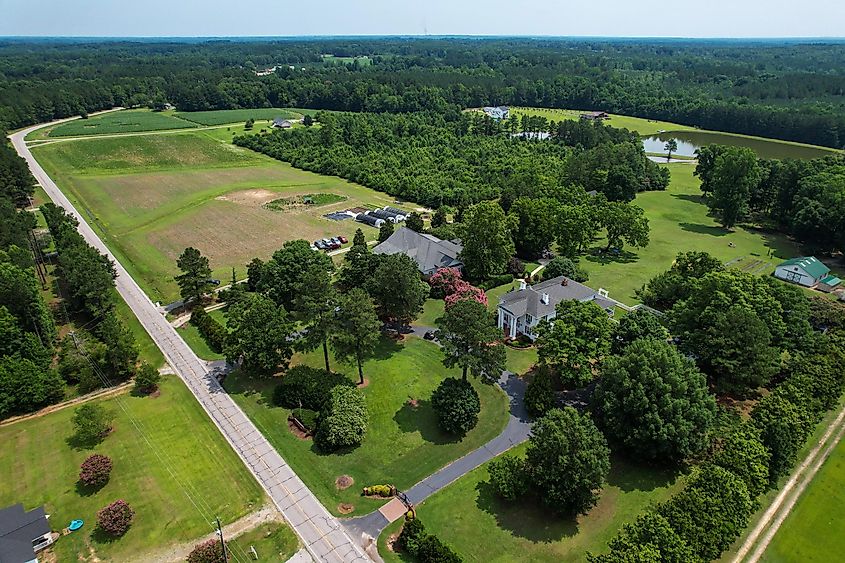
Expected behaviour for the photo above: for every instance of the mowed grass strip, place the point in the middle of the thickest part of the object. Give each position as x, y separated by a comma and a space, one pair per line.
225, 116
124, 121
40, 467
403, 443
815, 529
638, 124
469, 517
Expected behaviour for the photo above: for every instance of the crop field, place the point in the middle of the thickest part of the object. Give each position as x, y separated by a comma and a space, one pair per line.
152, 196
126, 121
41, 467
224, 116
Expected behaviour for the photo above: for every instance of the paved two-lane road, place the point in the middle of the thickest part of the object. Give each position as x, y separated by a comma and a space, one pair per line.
321, 533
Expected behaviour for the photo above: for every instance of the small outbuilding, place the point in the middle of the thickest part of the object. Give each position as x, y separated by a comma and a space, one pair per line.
805, 270
595, 115
280, 123
23, 533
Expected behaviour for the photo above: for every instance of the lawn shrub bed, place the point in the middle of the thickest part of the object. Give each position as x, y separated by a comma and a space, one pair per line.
343, 422
307, 387
211, 330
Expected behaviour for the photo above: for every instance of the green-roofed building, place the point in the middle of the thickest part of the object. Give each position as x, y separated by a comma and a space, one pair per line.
806, 270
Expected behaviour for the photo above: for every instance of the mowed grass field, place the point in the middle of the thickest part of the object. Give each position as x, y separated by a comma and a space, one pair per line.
815, 529
679, 221
222, 117
403, 443
469, 517
638, 124
124, 121
152, 196
39, 466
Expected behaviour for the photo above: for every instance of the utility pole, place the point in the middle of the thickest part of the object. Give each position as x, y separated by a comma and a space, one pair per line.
222, 543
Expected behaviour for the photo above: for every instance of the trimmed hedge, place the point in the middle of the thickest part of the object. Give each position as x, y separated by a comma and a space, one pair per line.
307, 387
212, 331
343, 420
496, 281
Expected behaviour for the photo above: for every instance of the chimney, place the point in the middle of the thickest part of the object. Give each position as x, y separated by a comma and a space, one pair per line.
565, 281
522, 285
545, 298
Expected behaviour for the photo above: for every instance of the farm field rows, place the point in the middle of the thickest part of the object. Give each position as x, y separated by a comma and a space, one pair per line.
125, 121
403, 443
41, 466
152, 196
468, 516
224, 116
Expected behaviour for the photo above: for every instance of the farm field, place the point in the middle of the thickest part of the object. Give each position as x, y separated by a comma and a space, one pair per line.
124, 121
224, 116
403, 443
814, 530
43, 468
679, 221
470, 518
152, 196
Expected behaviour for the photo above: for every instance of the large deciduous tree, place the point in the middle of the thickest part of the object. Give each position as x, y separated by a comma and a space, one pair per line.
397, 289
568, 460
195, 279
649, 539
784, 427
575, 341
357, 331
469, 340
637, 324
667, 288
486, 239
535, 221
260, 334
654, 403
315, 301
735, 173
283, 275
624, 223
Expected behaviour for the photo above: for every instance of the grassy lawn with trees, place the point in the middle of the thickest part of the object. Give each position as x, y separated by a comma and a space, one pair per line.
469, 517
149, 197
403, 443
272, 542
44, 467
679, 219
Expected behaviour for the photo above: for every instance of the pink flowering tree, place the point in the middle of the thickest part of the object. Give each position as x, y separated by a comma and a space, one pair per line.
95, 470
466, 291
445, 282
115, 518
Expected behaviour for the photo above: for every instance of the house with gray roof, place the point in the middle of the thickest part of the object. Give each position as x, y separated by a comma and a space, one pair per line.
429, 252
521, 310
23, 533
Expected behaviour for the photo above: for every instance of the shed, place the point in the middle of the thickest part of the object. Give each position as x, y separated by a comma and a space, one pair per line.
805, 270
280, 123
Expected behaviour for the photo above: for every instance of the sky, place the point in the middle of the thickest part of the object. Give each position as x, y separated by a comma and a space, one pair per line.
611, 18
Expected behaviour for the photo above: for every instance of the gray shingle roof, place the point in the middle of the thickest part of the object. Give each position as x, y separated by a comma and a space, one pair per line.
17, 530
429, 252
530, 299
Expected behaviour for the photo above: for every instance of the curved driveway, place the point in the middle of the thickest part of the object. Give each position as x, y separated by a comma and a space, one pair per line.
321, 533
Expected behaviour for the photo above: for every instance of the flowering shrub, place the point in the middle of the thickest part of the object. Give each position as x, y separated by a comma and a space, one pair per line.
444, 282
467, 291
95, 470
115, 518
210, 551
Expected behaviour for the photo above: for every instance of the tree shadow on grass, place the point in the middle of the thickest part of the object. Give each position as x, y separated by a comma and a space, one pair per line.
599, 256
78, 443
630, 475
386, 348
102, 538
423, 419
525, 517
84, 490
712, 230
692, 198
241, 382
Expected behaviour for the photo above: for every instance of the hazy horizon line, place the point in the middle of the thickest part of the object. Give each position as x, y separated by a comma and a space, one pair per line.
435, 36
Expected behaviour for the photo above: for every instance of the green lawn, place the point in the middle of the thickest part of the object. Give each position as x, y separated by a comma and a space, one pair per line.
520, 361
149, 197
468, 516
403, 443
224, 116
194, 339
639, 124
125, 121
815, 530
679, 221
432, 310
272, 542
40, 467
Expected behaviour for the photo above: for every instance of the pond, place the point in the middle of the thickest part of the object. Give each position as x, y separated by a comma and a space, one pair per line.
689, 141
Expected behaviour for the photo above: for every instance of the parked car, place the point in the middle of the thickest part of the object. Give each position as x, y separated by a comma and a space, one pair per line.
429, 335
320, 244
213, 282
342, 239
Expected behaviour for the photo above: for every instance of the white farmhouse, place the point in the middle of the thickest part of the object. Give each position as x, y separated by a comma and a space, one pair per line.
520, 311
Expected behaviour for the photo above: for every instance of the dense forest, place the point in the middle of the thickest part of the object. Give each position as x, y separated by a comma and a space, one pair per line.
434, 160
787, 90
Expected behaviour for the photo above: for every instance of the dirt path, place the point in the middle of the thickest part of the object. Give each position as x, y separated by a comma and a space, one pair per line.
101, 394
780, 508
178, 552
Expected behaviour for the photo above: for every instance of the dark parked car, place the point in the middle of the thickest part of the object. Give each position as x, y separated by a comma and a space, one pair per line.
429, 335
343, 240
214, 282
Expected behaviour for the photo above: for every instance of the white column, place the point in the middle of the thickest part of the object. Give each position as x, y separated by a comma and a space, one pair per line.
513, 326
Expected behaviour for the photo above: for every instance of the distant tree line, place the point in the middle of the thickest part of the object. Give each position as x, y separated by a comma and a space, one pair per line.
778, 90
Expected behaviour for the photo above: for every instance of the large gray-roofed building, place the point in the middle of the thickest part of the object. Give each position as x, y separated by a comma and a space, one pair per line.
520, 311
429, 252
23, 533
